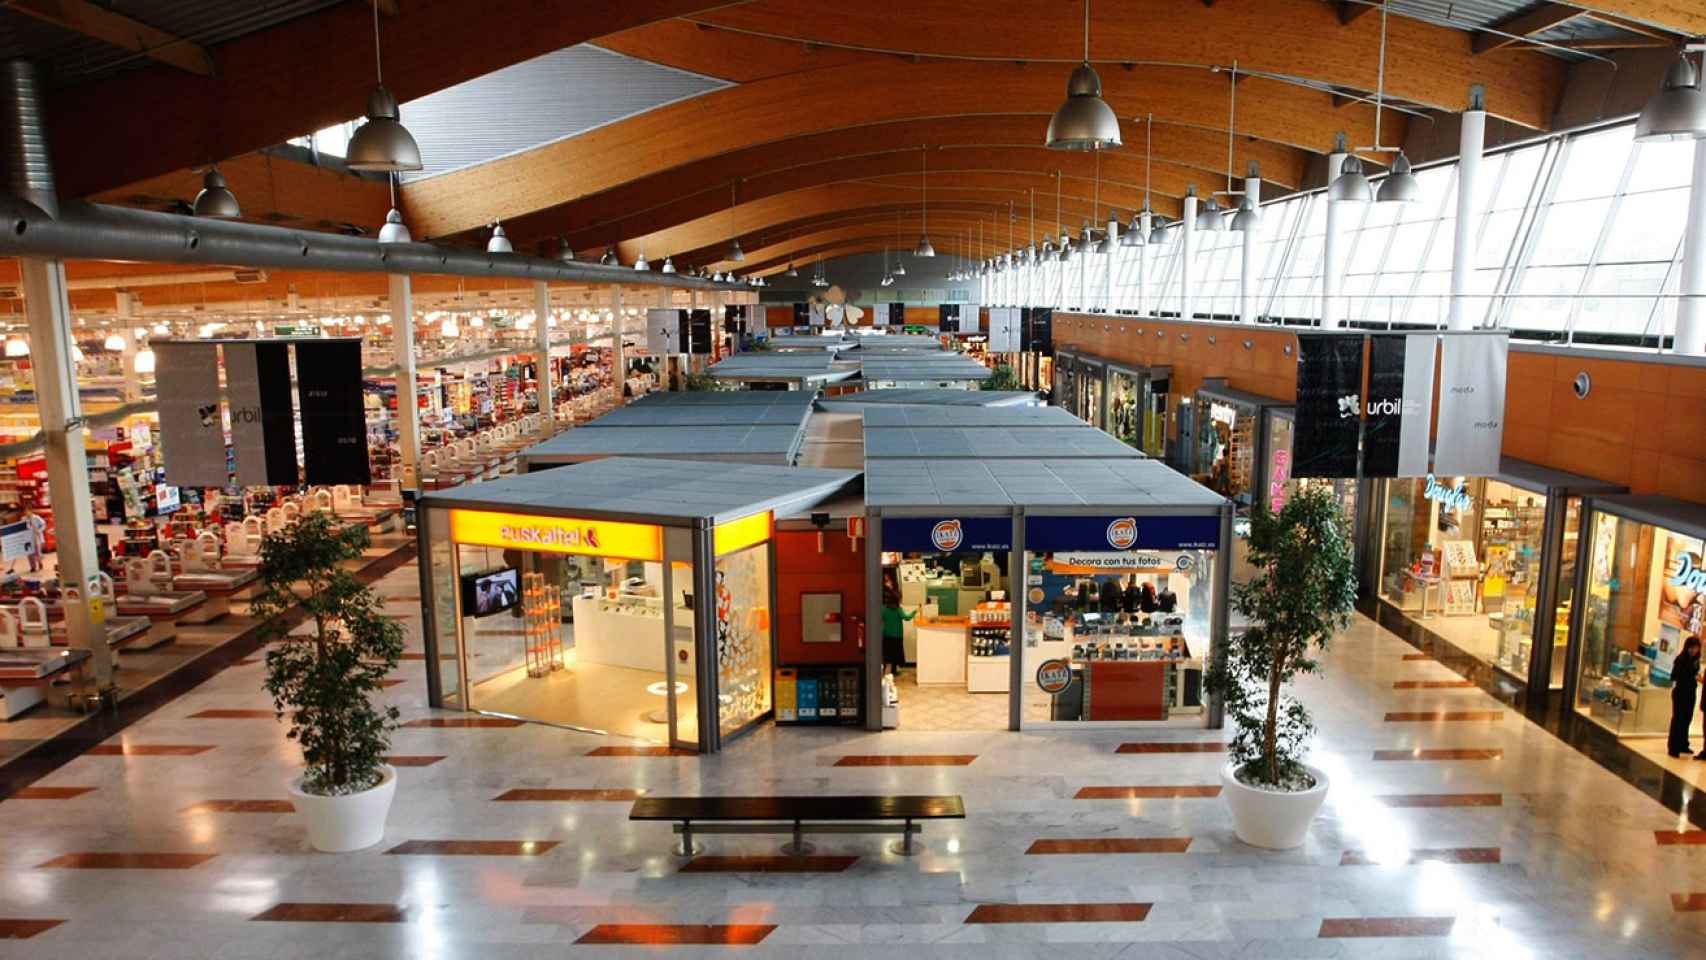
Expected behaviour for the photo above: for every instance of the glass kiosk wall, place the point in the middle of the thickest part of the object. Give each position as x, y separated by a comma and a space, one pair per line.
1644, 593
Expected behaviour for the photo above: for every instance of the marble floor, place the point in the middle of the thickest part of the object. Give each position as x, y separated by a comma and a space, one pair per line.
1454, 828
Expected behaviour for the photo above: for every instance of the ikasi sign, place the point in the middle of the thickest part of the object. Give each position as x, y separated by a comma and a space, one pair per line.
947, 534
1054, 676
1044, 534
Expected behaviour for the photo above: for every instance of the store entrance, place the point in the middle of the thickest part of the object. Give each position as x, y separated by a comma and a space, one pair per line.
947, 624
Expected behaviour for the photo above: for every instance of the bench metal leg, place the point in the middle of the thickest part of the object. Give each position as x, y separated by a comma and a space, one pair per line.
798, 847
687, 848
905, 847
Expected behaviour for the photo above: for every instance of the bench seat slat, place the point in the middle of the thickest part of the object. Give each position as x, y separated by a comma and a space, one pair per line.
817, 808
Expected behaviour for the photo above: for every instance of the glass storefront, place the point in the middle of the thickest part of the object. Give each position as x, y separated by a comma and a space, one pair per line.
1278, 485
743, 638
1125, 405
1087, 395
1225, 456
1644, 594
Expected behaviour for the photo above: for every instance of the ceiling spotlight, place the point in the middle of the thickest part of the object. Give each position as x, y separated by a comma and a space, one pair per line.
216, 199
1678, 110
394, 230
1084, 121
499, 243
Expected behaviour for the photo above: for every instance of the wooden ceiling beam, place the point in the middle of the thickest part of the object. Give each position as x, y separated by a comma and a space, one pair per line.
1686, 17
272, 190
116, 29
1511, 29
680, 134
311, 72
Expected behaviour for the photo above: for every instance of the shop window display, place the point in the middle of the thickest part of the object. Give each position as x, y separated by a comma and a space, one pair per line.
743, 640
1281, 486
953, 615
1646, 593
1125, 407
1463, 556
1116, 636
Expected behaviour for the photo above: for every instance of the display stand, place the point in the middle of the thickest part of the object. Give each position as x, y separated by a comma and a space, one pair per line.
1462, 576
542, 612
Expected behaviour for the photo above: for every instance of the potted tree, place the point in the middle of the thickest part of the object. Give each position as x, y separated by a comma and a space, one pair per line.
1304, 589
322, 680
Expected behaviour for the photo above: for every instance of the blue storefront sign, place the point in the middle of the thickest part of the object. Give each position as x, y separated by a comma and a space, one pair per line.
1161, 532
947, 534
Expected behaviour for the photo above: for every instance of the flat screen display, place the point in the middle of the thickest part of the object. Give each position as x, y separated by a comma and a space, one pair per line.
484, 594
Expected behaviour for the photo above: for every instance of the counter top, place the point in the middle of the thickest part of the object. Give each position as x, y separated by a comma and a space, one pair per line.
946, 622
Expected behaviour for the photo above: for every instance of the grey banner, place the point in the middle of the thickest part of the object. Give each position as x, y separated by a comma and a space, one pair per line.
1413, 432
192, 432
1471, 404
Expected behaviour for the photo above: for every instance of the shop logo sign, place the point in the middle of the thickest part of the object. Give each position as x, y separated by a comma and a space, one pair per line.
1122, 533
1688, 575
583, 538
1053, 676
1450, 499
1348, 405
947, 535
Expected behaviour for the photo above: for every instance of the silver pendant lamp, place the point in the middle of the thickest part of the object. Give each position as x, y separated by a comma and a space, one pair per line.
668, 265
1084, 121
382, 144
899, 268
609, 257
641, 264
792, 272
394, 230
924, 249
1350, 186
1678, 110
1399, 186
216, 199
499, 243
565, 253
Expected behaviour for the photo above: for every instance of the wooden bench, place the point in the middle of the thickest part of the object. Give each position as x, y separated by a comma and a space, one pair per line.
798, 816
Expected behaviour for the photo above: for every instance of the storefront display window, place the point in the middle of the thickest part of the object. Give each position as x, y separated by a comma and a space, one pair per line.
743, 638
1088, 393
1646, 593
1125, 406
1279, 486
1155, 388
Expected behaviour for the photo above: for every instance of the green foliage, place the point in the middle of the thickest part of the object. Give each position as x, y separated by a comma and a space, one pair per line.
704, 382
1303, 590
1004, 379
323, 681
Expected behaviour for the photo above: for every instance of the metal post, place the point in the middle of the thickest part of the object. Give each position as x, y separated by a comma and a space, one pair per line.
1018, 581
1187, 253
874, 702
1332, 262
1691, 308
1143, 264
1472, 136
1247, 278
542, 366
408, 404
49, 313
618, 366
125, 302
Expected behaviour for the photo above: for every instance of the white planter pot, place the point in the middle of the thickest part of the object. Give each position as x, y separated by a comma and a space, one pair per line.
350, 822
1265, 818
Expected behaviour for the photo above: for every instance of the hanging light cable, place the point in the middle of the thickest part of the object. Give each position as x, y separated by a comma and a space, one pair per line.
1400, 185
899, 267
735, 252
1084, 121
382, 144
924, 248
1065, 238
1107, 244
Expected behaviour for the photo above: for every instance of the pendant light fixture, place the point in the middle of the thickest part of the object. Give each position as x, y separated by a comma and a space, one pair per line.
216, 199
1350, 186
1159, 233
609, 258
1084, 121
382, 144
735, 252
394, 229
1678, 110
1400, 185
1209, 218
899, 267
499, 243
792, 272
1247, 217
641, 264
565, 253
668, 266
924, 248
114, 342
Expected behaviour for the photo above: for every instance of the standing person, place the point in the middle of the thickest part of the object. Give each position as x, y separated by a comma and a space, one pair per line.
38, 537
894, 625
1684, 677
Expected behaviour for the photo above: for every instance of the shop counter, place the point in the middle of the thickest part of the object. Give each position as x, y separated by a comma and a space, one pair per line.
1126, 689
26, 674
139, 633
622, 639
230, 584
942, 647
181, 606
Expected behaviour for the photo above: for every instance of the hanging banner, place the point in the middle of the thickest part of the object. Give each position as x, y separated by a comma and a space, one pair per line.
663, 332
1383, 405
334, 427
1471, 404
698, 337
192, 432
1329, 405
263, 426
1414, 436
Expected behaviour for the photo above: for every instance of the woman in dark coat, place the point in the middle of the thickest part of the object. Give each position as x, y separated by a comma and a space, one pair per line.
1684, 677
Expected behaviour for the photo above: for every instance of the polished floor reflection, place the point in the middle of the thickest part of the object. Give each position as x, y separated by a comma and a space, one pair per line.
1442, 837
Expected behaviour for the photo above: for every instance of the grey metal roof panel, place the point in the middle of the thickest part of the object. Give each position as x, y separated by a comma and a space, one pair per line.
715, 442
704, 414
1028, 443
964, 415
930, 397
724, 398
655, 490
1045, 483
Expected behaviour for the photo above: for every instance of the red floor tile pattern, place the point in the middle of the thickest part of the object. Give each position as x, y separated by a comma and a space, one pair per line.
404, 760
760, 864
1449, 753
461, 722
242, 806
1427, 800
50, 793
233, 715
640, 752
126, 861
1338, 927
1059, 913
1209, 746
1675, 838
907, 760
1362, 858
536, 795
1432, 685
1146, 793
1688, 902
332, 913
473, 848
19, 928
658, 934
148, 749
1432, 716
1111, 845
1413, 657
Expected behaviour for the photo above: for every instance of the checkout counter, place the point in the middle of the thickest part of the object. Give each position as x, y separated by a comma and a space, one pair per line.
1124, 666
962, 624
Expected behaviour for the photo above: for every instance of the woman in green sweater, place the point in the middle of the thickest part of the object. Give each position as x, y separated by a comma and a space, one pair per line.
894, 629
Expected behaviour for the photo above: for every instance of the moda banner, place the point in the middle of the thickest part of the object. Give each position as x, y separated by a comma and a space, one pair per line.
1329, 405
334, 427
1415, 432
263, 426
192, 432
1471, 404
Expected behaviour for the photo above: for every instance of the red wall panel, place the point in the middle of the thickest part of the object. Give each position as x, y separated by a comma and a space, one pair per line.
800, 568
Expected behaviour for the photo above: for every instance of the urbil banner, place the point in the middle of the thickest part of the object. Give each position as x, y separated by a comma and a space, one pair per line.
192, 429
1329, 405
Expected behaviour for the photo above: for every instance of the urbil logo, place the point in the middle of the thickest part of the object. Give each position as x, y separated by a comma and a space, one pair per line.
1348, 405
1122, 533
947, 535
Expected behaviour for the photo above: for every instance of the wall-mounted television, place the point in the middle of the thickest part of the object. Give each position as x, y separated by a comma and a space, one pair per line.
494, 591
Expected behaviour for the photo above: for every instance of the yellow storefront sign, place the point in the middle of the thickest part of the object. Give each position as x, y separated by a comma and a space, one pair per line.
726, 538
594, 538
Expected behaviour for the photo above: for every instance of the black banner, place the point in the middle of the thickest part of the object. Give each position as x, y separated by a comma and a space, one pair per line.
334, 428
1384, 406
278, 420
802, 315
1041, 328
897, 314
699, 326
1329, 405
